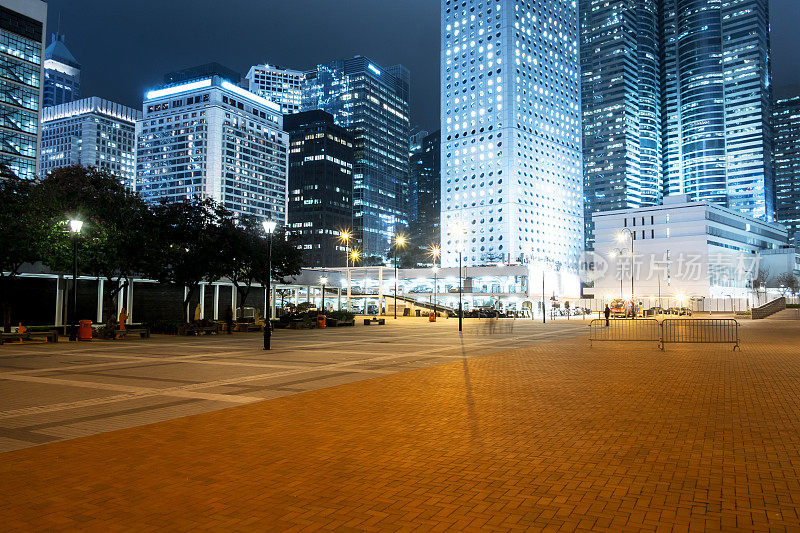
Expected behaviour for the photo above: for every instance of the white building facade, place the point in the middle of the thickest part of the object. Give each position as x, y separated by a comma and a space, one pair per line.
511, 183
213, 139
276, 84
90, 132
684, 250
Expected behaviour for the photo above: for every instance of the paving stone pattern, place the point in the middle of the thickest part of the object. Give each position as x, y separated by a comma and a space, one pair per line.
543, 437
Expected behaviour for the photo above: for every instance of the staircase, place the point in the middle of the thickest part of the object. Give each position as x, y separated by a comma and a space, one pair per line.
769, 308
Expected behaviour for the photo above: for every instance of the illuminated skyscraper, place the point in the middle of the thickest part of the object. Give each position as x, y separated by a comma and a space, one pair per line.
91, 132
208, 137
279, 85
786, 129
22, 30
621, 99
717, 103
676, 100
372, 102
511, 184
62, 74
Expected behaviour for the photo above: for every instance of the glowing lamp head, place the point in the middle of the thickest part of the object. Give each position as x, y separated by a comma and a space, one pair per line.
323, 280
435, 269
435, 251
270, 225
354, 255
75, 226
345, 236
621, 236
400, 240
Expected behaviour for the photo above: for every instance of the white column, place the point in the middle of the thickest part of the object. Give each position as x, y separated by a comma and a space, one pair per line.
60, 301
380, 291
233, 300
130, 303
339, 297
189, 316
216, 302
308, 293
100, 283
349, 288
202, 301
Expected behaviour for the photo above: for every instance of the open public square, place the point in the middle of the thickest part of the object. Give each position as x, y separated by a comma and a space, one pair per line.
514, 425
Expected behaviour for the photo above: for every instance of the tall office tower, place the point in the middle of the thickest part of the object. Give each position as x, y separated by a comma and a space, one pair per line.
424, 229
621, 102
717, 103
22, 30
511, 184
210, 138
373, 104
320, 187
277, 84
786, 131
62, 74
91, 132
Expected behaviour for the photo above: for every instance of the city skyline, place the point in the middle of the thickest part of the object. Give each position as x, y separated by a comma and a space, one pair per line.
408, 41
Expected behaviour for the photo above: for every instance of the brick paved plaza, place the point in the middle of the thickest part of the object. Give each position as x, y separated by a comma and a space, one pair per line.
404, 428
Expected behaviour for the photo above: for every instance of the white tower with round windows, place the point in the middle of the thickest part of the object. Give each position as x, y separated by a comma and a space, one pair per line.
511, 134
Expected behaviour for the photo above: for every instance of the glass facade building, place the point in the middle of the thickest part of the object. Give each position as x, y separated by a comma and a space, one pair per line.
210, 138
320, 187
676, 100
91, 132
62, 74
621, 100
511, 184
372, 102
277, 84
425, 182
717, 98
786, 130
22, 30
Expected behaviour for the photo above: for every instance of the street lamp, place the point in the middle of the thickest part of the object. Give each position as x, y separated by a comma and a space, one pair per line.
435, 252
399, 241
269, 229
621, 238
323, 281
619, 252
460, 232
344, 236
75, 227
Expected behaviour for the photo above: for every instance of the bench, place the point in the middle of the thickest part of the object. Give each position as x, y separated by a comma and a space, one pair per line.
49, 336
192, 329
370, 321
143, 332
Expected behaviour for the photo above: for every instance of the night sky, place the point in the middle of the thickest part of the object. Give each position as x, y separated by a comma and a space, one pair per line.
125, 46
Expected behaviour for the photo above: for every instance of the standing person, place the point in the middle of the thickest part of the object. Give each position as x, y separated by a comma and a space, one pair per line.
123, 317
229, 320
607, 312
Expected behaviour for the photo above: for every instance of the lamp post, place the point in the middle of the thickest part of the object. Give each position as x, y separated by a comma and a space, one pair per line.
460, 231
269, 229
75, 227
323, 281
621, 237
435, 253
399, 241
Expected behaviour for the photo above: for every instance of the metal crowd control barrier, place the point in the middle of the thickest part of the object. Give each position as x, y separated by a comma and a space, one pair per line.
700, 330
622, 329
690, 330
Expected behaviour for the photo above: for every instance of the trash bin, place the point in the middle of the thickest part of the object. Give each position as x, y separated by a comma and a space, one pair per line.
321, 321
431, 317
85, 330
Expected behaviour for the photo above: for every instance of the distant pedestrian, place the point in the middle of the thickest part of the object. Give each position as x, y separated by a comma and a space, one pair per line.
229, 320
607, 312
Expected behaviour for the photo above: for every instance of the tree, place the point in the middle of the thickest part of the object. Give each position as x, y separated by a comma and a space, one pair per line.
22, 234
788, 283
246, 255
117, 233
189, 246
759, 281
